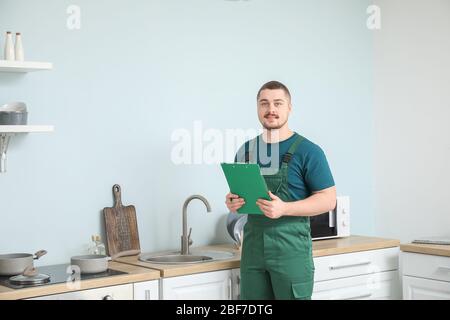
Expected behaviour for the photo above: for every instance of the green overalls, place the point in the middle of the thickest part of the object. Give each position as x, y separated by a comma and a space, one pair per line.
277, 260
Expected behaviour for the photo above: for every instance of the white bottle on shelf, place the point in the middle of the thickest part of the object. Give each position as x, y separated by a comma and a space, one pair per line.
18, 49
100, 245
97, 247
93, 249
9, 47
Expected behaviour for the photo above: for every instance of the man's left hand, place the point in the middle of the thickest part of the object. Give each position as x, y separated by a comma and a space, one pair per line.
272, 209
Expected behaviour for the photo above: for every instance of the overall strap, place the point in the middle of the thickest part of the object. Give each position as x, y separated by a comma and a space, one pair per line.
288, 155
249, 153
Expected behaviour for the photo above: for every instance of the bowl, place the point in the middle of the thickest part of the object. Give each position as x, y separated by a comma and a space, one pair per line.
16, 106
92, 263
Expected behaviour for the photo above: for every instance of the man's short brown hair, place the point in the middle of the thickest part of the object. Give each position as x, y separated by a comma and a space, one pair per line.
273, 85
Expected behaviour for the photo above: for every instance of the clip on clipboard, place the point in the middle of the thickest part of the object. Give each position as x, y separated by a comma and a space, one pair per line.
245, 180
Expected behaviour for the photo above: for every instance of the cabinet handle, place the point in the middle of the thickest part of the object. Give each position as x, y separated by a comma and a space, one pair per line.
444, 267
147, 294
342, 266
229, 289
108, 297
364, 295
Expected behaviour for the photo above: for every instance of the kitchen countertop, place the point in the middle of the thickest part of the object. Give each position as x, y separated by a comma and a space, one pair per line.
350, 244
433, 249
138, 271
134, 274
320, 248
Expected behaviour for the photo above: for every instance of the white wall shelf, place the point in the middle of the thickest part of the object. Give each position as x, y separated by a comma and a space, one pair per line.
6, 132
24, 66
25, 129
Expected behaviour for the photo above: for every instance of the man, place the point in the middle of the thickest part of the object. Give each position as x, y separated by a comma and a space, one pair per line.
277, 260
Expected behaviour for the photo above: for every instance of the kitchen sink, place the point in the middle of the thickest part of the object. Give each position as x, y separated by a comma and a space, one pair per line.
186, 255
196, 256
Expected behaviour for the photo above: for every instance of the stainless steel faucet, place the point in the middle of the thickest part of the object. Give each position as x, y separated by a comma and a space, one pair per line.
186, 238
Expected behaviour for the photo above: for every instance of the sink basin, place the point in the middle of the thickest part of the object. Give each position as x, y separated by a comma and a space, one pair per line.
196, 256
215, 255
175, 259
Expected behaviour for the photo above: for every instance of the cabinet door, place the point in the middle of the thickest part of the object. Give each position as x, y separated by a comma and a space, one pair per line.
377, 286
121, 292
148, 290
425, 289
236, 282
203, 286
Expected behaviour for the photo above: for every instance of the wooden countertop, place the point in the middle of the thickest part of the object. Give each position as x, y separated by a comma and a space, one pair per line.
320, 248
134, 274
350, 244
433, 249
138, 271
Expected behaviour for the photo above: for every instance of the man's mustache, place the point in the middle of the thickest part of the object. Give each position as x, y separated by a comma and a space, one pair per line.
271, 114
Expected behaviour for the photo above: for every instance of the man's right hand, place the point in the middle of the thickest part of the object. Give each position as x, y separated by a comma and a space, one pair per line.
233, 202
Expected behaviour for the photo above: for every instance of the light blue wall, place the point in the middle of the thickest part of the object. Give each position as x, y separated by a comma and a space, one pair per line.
138, 70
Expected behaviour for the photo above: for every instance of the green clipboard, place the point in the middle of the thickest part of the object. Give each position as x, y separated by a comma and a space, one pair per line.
245, 180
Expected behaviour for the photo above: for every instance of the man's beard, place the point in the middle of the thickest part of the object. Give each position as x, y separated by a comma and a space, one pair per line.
275, 127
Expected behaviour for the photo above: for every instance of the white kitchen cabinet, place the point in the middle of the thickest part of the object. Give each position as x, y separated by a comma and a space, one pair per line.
371, 274
216, 285
425, 277
425, 289
355, 263
120, 292
147, 290
376, 286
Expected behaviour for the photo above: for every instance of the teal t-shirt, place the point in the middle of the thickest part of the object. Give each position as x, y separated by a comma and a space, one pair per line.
308, 169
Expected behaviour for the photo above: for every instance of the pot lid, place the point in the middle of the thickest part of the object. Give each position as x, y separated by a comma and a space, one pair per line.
29, 280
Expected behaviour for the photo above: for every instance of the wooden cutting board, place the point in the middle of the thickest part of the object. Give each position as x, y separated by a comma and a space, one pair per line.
121, 228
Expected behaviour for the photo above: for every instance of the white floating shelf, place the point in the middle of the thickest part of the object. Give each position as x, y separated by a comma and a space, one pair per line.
24, 66
26, 129
7, 132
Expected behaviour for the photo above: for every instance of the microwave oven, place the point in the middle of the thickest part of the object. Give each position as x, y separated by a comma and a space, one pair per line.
334, 223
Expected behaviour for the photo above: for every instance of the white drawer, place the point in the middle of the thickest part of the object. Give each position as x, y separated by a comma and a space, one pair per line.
120, 292
377, 286
355, 263
426, 266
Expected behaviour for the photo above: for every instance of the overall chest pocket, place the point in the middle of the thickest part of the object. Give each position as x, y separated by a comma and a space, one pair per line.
277, 184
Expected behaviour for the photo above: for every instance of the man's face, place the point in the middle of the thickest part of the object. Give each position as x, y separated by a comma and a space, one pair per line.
274, 107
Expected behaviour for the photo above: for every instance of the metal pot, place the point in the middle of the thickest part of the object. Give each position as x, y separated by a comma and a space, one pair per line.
14, 113
93, 263
13, 118
16, 263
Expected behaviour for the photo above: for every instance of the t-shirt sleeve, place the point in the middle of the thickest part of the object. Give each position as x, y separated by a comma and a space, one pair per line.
317, 174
